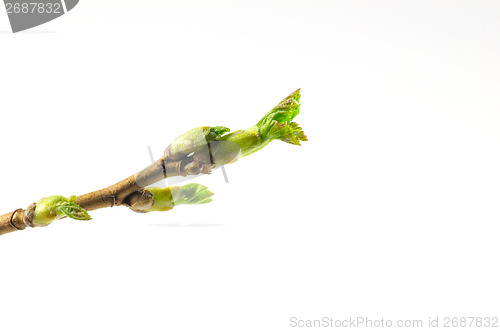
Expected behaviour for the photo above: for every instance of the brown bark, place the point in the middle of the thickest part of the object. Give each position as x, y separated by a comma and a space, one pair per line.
12, 221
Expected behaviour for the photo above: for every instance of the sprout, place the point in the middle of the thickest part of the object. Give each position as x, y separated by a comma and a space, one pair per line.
56, 207
276, 124
190, 194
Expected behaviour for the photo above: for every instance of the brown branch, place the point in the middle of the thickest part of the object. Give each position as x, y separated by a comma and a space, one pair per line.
12, 221
127, 192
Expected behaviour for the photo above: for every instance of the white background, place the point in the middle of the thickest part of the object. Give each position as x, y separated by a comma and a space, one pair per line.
389, 211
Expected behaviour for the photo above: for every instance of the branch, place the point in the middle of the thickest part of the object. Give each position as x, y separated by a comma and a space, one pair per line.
197, 151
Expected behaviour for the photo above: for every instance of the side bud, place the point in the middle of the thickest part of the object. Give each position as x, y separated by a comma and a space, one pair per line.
166, 198
56, 207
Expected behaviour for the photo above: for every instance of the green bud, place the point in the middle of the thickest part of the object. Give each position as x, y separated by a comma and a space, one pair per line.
194, 140
56, 207
166, 198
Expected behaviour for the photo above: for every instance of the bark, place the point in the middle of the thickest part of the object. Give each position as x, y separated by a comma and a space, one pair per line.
13, 221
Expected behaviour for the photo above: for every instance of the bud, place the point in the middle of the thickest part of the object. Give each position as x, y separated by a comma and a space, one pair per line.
166, 198
56, 207
141, 200
193, 141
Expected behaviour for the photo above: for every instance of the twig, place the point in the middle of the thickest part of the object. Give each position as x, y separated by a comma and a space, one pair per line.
196, 151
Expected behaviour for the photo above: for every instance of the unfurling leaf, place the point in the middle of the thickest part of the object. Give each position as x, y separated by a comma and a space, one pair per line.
55, 207
72, 210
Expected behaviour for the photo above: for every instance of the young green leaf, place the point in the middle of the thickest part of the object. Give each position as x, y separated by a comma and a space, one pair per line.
72, 210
